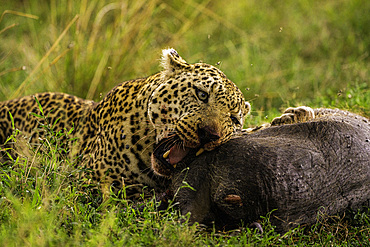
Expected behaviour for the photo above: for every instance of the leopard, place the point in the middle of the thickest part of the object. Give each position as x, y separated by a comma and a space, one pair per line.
141, 128
137, 133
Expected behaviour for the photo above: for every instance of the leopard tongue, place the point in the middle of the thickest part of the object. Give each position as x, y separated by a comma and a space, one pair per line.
177, 154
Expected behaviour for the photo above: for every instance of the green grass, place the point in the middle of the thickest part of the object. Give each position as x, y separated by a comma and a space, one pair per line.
43, 203
279, 53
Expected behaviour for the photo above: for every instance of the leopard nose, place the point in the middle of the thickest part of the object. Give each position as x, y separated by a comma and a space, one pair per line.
207, 134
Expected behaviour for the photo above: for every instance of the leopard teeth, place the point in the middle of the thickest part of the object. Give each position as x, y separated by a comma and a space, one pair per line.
165, 155
200, 151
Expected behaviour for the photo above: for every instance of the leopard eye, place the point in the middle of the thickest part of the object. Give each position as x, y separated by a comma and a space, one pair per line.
235, 120
203, 96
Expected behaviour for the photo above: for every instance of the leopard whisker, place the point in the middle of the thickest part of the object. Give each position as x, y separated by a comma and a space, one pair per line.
146, 136
147, 146
168, 142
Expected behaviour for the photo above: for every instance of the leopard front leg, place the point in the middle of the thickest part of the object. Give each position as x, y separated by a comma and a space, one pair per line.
294, 115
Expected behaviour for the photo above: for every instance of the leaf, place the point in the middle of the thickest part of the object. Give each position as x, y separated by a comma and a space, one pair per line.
11, 119
35, 115
39, 105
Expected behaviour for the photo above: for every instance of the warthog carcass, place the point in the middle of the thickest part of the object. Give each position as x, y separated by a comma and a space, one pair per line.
293, 170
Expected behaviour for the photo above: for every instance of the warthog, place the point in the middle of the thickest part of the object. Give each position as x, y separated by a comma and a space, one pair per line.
294, 170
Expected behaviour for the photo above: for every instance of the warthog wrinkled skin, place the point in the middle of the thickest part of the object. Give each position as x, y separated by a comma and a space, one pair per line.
296, 170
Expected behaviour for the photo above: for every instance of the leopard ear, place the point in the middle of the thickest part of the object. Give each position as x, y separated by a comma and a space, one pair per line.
172, 62
247, 107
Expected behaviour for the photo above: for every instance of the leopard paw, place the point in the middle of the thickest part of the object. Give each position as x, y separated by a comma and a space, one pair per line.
294, 115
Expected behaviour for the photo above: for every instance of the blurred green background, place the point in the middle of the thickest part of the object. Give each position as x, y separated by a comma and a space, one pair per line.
280, 53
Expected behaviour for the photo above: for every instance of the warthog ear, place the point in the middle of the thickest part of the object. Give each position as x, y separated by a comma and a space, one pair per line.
172, 62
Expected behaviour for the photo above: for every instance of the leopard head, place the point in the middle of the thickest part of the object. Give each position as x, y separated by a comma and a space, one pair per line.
195, 108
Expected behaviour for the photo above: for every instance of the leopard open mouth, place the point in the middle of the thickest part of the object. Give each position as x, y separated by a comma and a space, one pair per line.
170, 151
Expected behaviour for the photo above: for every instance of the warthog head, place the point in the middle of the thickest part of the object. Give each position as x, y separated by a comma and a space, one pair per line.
293, 169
